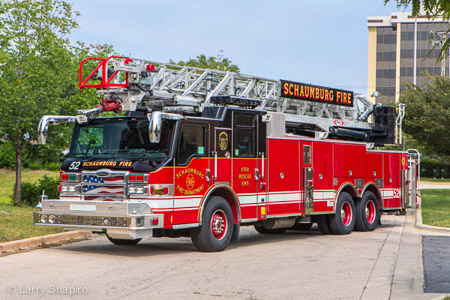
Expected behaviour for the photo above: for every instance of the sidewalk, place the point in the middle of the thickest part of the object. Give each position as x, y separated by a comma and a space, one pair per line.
434, 185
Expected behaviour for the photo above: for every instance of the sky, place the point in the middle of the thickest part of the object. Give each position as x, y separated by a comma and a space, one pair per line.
320, 42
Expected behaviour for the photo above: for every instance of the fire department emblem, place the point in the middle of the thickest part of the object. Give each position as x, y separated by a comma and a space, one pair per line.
190, 182
403, 161
223, 141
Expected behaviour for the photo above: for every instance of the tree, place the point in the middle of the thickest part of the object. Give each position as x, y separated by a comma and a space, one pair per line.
427, 117
433, 9
211, 62
37, 71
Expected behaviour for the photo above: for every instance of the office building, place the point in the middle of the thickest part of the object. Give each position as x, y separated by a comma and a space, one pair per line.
403, 50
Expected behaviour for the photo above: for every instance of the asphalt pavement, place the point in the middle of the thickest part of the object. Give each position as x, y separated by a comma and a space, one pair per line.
384, 264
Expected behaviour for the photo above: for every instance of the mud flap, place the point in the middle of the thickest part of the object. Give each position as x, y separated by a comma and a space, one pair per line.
235, 236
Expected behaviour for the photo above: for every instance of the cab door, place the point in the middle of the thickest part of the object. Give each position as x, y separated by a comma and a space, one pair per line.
220, 161
191, 167
245, 162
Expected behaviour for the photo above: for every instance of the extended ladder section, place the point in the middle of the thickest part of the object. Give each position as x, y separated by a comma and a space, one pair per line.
135, 84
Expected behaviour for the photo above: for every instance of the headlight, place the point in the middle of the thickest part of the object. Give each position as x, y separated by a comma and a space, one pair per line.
72, 189
52, 219
44, 219
64, 188
139, 190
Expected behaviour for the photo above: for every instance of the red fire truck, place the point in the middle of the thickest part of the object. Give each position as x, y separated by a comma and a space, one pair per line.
200, 153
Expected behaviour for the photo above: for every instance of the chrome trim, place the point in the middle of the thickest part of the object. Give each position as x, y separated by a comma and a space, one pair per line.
381, 205
110, 172
123, 196
214, 188
338, 193
249, 220
184, 226
283, 216
128, 222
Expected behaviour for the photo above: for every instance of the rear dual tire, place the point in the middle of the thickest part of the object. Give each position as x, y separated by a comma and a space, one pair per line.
367, 212
342, 221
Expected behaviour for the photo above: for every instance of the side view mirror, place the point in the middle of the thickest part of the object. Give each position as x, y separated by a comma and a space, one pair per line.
54, 120
156, 124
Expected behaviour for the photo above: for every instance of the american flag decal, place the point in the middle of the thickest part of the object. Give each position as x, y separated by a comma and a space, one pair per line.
112, 186
107, 180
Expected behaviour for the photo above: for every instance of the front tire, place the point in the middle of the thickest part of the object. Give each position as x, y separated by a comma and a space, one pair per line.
343, 221
216, 230
122, 242
367, 213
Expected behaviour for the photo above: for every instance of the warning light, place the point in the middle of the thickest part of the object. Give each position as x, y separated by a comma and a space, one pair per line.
150, 68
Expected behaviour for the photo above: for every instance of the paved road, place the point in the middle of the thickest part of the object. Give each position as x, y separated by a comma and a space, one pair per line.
382, 264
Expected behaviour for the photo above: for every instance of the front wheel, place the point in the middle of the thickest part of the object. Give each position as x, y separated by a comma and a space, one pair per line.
343, 221
367, 213
216, 229
122, 242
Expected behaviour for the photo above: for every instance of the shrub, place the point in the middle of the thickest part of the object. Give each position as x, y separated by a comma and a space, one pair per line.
50, 186
32, 191
434, 168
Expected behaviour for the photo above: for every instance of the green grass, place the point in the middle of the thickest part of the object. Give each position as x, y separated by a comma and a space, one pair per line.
427, 179
18, 223
8, 179
436, 207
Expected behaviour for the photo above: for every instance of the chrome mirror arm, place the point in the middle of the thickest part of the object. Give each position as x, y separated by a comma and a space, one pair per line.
54, 120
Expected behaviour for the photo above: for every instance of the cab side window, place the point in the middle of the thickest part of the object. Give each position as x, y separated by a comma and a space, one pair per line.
244, 142
192, 143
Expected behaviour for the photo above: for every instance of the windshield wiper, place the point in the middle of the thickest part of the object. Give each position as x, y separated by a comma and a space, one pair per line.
79, 153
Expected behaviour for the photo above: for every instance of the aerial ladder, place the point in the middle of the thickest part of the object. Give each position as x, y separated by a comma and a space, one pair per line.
130, 84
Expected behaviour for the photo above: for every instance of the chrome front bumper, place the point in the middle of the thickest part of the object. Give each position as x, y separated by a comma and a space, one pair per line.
125, 220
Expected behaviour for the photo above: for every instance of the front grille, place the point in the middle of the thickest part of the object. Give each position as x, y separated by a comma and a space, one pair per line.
103, 188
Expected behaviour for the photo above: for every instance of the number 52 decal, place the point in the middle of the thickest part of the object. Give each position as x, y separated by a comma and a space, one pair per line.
75, 165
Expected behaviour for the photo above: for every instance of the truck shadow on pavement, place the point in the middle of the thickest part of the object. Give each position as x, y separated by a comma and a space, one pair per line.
166, 246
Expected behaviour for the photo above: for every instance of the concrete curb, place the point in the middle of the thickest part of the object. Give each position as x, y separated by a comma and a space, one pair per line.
419, 223
39, 241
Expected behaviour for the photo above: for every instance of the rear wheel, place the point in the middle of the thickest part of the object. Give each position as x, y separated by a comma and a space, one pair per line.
367, 213
216, 229
123, 242
343, 221
324, 225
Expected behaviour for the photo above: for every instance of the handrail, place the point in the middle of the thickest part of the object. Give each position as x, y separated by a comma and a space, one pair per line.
105, 78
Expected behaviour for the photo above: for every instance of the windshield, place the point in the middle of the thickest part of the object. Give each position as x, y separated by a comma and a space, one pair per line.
120, 138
